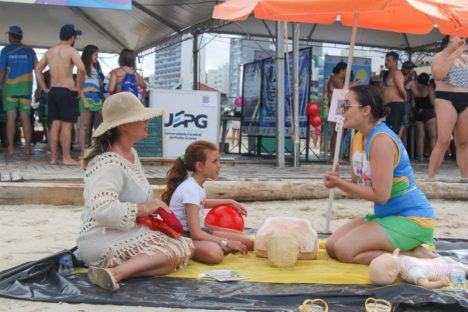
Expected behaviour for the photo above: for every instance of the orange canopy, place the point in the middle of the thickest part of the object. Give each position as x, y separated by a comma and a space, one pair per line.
405, 16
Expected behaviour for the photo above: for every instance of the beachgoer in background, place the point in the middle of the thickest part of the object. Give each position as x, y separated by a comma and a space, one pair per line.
375, 81
393, 92
63, 93
381, 173
409, 75
41, 97
235, 127
125, 78
92, 99
336, 81
424, 114
450, 72
17, 63
116, 193
185, 195
316, 132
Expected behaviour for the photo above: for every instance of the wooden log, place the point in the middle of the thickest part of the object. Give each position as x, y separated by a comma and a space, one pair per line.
14, 193
268, 190
41, 193
444, 190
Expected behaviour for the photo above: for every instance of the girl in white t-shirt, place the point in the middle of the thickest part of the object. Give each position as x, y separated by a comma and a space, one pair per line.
186, 197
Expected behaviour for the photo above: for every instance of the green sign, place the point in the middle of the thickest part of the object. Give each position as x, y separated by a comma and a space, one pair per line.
153, 145
269, 145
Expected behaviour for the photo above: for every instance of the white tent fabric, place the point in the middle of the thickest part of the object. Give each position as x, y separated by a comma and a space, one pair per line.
151, 22
148, 23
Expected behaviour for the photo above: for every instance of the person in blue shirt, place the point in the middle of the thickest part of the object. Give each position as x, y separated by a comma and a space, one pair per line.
381, 173
17, 63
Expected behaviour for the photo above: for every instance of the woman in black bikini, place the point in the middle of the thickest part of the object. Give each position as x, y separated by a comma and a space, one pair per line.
450, 71
424, 116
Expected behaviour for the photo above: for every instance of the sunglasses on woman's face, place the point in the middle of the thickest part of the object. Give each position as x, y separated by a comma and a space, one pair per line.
349, 104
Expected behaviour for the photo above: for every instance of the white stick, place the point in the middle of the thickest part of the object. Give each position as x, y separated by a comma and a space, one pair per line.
339, 125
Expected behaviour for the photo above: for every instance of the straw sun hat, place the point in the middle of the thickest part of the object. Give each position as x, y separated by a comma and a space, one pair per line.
123, 108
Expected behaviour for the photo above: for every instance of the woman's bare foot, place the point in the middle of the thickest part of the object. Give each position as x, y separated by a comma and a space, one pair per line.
420, 252
28, 150
70, 162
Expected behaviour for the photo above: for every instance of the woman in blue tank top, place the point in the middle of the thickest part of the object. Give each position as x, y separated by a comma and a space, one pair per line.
125, 78
381, 173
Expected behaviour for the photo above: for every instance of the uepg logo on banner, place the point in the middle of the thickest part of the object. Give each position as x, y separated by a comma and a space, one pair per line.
182, 119
186, 115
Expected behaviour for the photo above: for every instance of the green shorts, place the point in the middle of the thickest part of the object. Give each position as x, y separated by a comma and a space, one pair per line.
402, 232
21, 103
94, 106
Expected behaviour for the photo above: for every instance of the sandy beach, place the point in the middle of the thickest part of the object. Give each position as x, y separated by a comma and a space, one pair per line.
33, 232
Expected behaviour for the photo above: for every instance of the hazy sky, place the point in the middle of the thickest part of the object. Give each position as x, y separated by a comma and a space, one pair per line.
217, 54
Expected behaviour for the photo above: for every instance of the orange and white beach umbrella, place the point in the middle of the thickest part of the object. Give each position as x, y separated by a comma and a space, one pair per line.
405, 16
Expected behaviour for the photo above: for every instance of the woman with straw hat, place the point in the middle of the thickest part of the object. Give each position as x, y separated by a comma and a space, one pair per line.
116, 193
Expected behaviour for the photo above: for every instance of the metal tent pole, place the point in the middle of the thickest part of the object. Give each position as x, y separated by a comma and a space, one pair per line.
280, 94
295, 112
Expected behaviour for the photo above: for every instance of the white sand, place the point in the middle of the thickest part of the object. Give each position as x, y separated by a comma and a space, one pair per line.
33, 232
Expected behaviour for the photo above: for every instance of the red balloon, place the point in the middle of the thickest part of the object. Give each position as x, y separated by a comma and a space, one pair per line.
315, 121
239, 101
312, 109
225, 216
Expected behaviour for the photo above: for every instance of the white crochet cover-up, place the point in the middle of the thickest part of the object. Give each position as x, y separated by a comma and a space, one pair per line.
113, 188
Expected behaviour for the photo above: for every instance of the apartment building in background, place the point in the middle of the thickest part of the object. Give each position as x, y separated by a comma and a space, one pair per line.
174, 66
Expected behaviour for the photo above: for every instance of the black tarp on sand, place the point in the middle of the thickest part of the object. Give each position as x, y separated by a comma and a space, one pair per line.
39, 281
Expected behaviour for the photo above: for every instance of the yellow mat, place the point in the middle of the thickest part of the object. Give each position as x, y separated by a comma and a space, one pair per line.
324, 270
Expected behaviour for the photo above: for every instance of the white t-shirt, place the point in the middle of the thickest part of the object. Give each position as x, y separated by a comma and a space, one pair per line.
188, 192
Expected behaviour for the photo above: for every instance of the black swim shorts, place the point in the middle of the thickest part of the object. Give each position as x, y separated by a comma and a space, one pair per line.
62, 105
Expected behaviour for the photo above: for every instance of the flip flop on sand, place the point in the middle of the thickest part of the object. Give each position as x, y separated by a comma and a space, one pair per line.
313, 305
103, 278
377, 305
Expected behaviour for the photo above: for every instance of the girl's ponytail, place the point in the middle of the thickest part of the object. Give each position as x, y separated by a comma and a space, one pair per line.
175, 176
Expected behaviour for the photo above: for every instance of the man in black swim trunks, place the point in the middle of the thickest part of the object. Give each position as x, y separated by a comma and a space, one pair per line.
64, 91
393, 92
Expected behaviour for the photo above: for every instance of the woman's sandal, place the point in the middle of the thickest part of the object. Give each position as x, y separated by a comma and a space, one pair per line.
377, 305
313, 305
103, 278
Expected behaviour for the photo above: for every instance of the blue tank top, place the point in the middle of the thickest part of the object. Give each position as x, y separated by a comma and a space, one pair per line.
92, 90
129, 83
405, 199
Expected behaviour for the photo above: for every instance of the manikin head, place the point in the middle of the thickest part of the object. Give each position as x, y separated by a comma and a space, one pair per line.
384, 269
283, 250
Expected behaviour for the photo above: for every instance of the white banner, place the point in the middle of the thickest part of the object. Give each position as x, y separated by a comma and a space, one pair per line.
188, 116
335, 113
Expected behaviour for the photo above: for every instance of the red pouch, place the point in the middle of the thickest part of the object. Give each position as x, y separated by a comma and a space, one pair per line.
155, 224
170, 219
